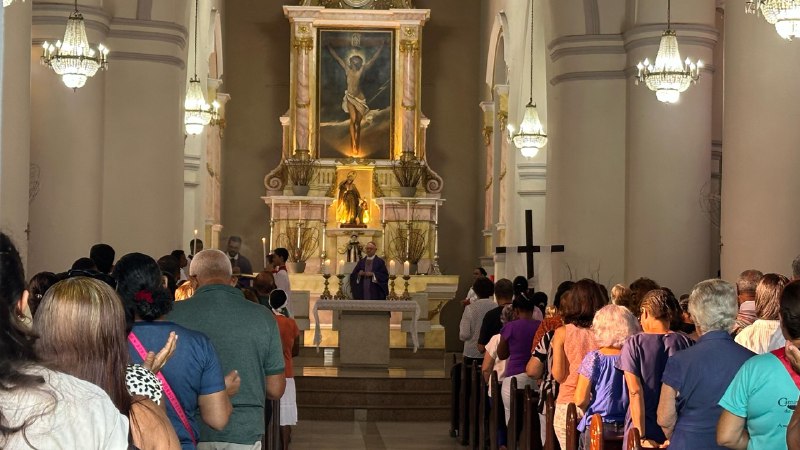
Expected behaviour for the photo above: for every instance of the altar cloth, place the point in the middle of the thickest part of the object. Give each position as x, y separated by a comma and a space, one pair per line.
367, 305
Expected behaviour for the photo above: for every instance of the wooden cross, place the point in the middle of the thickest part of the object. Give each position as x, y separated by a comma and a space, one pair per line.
529, 249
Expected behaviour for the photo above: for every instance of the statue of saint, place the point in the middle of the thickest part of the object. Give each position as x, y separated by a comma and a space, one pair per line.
348, 208
354, 249
354, 103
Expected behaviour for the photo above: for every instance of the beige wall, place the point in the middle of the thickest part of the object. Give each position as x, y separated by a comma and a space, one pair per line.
257, 77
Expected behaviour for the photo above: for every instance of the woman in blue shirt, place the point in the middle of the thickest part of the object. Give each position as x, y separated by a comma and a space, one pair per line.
759, 402
695, 379
601, 387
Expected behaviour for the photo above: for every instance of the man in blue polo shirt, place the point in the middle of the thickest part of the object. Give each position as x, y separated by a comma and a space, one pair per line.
247, 340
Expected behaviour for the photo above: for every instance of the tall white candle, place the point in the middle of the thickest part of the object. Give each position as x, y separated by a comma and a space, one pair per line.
383, 210
406, 268
264, 249
194, 243
340, 270
392, 268
326, 267
299, 232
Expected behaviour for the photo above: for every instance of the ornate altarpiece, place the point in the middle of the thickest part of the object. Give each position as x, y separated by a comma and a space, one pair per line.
380, 48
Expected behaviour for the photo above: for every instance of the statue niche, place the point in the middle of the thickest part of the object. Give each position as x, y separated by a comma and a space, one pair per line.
352, 210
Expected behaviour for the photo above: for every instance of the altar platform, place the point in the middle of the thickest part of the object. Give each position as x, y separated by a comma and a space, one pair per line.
414, 387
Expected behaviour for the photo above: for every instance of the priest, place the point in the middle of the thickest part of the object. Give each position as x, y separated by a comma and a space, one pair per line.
369, 280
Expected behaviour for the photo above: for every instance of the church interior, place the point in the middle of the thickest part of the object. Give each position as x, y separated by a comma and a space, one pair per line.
550, 139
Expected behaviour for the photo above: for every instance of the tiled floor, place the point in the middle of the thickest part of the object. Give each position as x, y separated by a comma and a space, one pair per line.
318, 435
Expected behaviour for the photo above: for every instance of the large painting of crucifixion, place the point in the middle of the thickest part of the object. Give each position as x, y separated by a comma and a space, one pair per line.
355, 88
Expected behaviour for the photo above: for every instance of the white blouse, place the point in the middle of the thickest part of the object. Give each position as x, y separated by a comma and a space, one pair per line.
73, 414
762, 336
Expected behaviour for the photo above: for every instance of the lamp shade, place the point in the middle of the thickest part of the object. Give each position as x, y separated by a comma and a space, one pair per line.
531, 136
197, 113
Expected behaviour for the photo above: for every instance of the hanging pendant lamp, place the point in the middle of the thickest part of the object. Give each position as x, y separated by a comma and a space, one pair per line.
531, 136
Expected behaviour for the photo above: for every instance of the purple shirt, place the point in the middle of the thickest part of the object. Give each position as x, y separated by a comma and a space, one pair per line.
519, 336
609, 392
645, 355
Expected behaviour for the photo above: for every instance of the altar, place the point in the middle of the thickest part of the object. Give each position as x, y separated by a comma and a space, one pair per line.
364, 329
354, 169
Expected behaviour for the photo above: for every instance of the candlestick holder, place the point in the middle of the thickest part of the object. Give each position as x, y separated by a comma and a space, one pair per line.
392, 294
326, 293
339, 295
406, 295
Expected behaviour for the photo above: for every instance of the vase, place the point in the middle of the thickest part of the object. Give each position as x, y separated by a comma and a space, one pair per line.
408, 191
300, 190
296, 267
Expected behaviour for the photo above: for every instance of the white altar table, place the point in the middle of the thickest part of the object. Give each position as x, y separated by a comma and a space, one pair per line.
366, 306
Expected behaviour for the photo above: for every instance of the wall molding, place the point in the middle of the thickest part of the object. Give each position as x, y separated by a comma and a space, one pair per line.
147, 57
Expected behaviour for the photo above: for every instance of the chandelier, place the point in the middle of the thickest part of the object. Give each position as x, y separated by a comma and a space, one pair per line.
668, 76
784, 14
197, 113
73, 59
531, 136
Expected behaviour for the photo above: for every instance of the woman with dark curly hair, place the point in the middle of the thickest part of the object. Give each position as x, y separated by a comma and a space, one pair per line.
194, 373
643, 359
35, 400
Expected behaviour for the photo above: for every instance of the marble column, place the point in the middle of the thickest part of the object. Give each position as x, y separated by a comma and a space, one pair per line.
15, 124
668, 154
586, 151
409, 51
66, 147
303, 45
760, 186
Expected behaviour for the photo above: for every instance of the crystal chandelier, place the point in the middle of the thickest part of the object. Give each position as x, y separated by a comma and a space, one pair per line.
531, 136
73, 59
669, 76
197, 113
784, 14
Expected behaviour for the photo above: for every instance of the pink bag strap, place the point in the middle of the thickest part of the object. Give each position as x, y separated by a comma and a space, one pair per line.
173, 399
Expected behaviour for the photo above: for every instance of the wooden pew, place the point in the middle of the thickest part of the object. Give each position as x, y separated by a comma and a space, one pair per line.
463, 407
272, 436
455, 391
572, 427
531, 438
512, 421
496, 414
599, 439
474, 405
484, 408
634, 440
550, 441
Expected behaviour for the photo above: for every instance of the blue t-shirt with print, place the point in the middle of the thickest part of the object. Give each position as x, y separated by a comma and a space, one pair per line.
609, 391
193, 370
764, 393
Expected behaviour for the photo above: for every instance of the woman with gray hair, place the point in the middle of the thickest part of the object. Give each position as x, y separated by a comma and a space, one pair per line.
695, 379
765, 335
601, 387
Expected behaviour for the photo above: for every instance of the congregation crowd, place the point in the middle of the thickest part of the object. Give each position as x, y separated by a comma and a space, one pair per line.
716, 368
180, 353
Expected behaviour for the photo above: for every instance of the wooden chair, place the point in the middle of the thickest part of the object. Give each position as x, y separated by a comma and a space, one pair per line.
634, 440
550, 441
531, 437
572, 427
497, 413
601, 440
474, 404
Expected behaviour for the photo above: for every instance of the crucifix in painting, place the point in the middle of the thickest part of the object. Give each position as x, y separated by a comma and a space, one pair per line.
529, 249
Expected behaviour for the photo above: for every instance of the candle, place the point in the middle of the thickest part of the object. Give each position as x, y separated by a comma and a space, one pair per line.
406, 268
392, 268
299, 232
383, 210
326, 267
194, 243
264, 249
341, 267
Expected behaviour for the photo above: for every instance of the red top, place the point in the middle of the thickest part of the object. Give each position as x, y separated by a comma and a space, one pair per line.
288, 330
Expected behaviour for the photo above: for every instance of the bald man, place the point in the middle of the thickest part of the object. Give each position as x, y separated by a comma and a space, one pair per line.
369, 280
247, 340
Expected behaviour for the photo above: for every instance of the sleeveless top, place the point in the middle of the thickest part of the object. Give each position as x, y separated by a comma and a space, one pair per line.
577, 343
